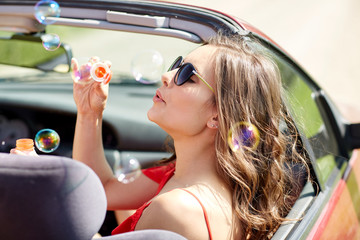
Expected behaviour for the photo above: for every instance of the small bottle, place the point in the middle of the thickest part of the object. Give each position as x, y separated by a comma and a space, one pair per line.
25, 145
99, 71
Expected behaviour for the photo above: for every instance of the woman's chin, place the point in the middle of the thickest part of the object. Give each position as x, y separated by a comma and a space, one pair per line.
155, 117
152, 115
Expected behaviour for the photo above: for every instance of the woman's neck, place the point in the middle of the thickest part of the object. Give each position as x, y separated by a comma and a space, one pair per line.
195, 159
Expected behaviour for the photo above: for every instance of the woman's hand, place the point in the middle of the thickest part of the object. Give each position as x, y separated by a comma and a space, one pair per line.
90, 96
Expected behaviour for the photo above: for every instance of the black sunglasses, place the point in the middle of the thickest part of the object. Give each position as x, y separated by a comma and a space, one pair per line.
185, 72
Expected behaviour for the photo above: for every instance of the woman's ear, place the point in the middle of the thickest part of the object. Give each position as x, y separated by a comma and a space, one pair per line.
213, 122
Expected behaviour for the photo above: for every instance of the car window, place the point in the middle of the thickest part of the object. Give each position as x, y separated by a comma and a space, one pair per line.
304, 109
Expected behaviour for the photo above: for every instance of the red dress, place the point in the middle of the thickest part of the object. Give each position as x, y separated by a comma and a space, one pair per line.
160, 175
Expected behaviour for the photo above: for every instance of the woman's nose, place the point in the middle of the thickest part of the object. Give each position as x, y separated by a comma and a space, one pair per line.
166, 78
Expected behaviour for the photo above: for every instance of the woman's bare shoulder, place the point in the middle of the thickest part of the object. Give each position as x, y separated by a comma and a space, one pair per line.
138, 192
175, 211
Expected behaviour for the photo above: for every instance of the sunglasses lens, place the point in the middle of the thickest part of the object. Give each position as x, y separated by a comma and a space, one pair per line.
183, 74
176, 63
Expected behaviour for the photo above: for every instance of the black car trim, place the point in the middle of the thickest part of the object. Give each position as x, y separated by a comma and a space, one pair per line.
352, 135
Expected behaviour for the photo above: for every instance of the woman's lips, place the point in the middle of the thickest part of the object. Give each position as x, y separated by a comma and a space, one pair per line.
158, 97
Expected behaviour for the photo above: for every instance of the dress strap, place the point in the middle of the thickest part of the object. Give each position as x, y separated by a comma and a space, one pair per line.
204, 210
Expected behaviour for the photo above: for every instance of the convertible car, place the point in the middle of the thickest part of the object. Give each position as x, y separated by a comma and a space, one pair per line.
141, 39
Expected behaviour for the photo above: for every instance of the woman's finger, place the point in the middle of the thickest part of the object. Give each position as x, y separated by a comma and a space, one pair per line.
108, 77
75, 65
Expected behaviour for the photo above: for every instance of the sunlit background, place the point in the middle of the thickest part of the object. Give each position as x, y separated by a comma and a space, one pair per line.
323, 36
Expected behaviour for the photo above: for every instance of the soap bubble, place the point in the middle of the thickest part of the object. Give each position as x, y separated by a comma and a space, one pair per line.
47, 140
243, 134
148, 66
50, 41
47, 12
127, 169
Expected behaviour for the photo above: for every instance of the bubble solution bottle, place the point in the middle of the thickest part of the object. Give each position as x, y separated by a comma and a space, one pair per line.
26, 146
99, 71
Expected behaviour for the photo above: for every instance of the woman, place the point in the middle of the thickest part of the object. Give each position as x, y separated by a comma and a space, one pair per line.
208, 189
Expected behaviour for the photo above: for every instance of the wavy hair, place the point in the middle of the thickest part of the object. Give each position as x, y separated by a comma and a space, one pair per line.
248, 89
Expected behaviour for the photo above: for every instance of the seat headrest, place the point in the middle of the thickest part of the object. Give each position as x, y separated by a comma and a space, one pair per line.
49, 197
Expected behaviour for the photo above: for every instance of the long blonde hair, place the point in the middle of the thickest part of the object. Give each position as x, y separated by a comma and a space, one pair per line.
248, 89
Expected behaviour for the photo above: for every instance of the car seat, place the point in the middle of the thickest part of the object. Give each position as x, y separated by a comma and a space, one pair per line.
51, 197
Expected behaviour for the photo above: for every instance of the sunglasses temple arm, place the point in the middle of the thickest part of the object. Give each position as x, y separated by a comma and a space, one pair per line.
207, 84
